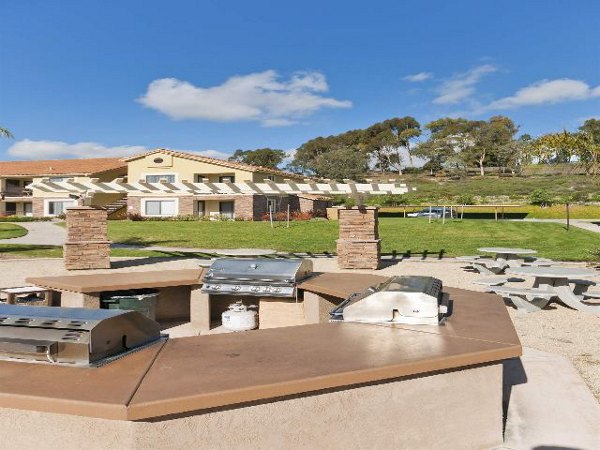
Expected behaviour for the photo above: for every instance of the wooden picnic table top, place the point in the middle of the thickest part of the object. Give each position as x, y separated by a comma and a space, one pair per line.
117, 281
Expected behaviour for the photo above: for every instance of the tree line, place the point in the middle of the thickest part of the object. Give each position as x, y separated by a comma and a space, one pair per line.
452, 144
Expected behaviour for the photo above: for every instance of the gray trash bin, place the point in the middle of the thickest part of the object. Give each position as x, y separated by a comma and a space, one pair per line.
142, 300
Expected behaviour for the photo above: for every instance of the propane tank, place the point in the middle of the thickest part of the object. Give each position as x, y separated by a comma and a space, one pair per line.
240, 317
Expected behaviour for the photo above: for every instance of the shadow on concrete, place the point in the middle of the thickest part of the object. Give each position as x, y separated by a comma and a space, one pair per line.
513, 373
396, 255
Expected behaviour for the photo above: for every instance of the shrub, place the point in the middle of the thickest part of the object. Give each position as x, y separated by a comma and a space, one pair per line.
540, 197
24, 219
302, 215
135, 217
465, 199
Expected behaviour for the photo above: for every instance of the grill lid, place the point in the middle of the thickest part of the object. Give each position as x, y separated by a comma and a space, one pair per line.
258, 270
400, 299
75, 336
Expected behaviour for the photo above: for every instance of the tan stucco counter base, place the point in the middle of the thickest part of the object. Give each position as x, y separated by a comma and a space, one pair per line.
457, 409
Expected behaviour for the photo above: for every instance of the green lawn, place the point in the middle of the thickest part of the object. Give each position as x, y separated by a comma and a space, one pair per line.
9, 230
399, 235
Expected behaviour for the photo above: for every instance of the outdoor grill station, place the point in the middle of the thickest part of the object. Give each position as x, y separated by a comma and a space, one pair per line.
408, 348
401, 338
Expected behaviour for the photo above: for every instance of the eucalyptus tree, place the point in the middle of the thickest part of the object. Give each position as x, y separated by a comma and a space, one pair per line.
266, 157
5, 133
385, 141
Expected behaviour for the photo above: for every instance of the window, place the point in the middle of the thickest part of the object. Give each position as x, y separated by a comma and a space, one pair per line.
11, 208
170, 177
160, 208
201, 208
13, 184
57, 179
226, 178
271, 177
28, 209
58, 207
158, 160
271, 205
199, 177
226, 209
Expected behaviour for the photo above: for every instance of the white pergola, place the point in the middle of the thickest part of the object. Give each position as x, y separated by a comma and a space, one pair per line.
183, 187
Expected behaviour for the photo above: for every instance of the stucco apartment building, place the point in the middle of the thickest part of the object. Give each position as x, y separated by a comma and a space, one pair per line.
173, 166
150, 167
16, 200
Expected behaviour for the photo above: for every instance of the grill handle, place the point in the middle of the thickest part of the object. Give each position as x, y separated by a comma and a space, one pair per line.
29, 347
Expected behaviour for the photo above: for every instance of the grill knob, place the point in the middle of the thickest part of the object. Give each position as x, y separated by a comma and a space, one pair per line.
255, 289
236, 288
218, 286
277, 289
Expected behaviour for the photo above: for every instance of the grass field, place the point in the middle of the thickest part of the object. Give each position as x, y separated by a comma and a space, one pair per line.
416, 237
9, 230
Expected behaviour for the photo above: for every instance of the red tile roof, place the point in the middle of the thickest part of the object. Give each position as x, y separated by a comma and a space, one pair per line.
218, 162
72, 167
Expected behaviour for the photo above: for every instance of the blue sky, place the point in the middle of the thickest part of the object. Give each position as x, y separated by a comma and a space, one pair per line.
95, 78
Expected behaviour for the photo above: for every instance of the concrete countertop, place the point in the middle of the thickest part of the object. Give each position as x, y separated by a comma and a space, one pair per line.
191, 374
116, 281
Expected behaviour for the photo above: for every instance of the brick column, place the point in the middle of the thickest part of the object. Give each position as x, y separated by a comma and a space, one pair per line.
359, 246
87, 245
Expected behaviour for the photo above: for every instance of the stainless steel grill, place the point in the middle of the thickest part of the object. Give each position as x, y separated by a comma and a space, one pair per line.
404, 299
257, 277
73, 336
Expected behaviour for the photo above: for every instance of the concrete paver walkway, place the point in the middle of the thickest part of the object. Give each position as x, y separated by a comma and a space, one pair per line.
39, 233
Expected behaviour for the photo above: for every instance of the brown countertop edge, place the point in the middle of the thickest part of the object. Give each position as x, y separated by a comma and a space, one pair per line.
182, 405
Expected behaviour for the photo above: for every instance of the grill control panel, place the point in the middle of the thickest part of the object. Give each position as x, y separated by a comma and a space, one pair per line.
247, 289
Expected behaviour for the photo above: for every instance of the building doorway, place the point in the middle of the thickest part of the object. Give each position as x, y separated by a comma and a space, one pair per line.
226, 209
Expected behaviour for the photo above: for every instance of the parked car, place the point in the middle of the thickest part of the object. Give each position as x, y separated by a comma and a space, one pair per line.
435, 213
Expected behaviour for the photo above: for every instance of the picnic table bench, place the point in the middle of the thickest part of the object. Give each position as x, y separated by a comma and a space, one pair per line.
552, 282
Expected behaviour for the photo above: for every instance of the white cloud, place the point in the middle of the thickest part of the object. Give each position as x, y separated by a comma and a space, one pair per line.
547, 91
31, 150
260, 96
417, 77
462, 86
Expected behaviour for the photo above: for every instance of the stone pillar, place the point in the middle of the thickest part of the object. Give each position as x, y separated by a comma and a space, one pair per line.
359, 246
87, 245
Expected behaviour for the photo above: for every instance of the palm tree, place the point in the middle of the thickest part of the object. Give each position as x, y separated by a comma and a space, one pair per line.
5, 133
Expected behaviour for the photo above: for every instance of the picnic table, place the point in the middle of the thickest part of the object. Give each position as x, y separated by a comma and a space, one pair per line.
506, 253
558, 280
